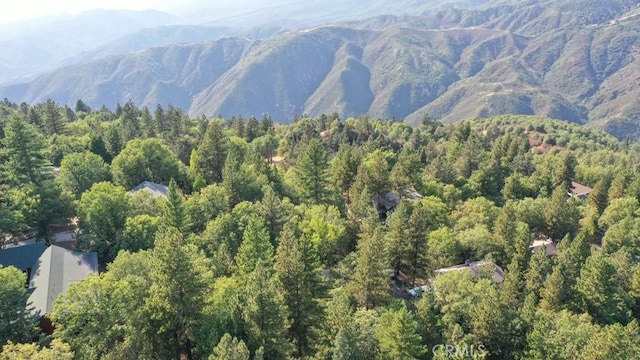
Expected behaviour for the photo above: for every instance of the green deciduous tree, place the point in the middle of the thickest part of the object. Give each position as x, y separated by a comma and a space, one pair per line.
139, 234
57, 350
102, 213
15, 319
206, 205
146, 160
327, 229
78, 172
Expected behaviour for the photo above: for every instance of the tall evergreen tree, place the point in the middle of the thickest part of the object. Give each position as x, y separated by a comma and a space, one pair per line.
561, 214
298, 270
212, 152
370, 285
23, 149
255, 248
265, 314
600, 292
175, 213
311, 169
53, 119
230, 349
397, 333
176, 306
513, 293
273, 212
344, 168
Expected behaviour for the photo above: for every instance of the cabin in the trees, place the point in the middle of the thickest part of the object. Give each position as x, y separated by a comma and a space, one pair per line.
157, 190
387, 203
51, 275
547, 244
477, 269
579, 191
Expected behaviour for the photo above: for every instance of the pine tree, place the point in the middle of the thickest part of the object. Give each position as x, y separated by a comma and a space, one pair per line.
23, 149
539, 269
131, 128
344, 168
370, 285
564, 170
160, 120
561, 214
182, 278
273, 213
345, 346
311, 169
82, 107
512, 294
504, 231
397, 333
599, 196
396, 236
255, 248
375, 169
54, 121
212, 153
265, 314
600, 292
298, 271
175, 213
230, 349
147, 123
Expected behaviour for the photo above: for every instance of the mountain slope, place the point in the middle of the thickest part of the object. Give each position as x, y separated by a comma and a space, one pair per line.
30, 51
450, 64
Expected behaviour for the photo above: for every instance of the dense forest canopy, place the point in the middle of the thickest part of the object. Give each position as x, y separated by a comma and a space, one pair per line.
322, 239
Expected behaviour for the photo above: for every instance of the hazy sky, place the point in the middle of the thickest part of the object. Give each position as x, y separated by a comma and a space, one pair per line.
24, 9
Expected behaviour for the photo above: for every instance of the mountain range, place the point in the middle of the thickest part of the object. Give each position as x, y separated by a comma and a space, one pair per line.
576, 60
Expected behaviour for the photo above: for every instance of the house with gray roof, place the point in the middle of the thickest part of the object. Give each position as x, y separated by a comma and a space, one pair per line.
477, 269
157, 190
52, 273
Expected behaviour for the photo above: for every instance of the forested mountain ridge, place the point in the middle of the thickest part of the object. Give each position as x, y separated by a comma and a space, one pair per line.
326, 238
572, 60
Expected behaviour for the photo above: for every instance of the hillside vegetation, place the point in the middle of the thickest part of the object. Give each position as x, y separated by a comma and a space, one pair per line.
324, 238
